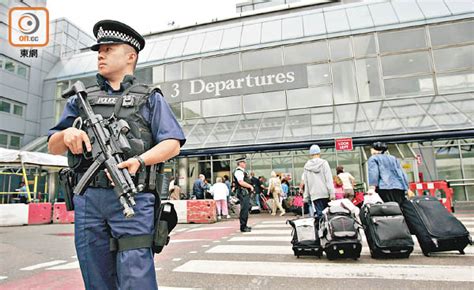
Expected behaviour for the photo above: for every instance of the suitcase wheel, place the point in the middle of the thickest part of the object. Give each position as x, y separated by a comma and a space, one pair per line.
462, 252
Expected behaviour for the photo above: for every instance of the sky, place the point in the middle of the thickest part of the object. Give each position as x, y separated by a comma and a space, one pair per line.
144, 16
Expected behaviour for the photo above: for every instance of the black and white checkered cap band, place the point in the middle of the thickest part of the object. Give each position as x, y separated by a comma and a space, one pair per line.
118, 35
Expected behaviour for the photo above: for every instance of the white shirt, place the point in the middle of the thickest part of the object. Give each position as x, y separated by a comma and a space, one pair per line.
219, 190
239, 174
346, 179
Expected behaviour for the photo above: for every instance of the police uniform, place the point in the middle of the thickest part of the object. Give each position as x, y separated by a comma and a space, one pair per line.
98, 213
243, 194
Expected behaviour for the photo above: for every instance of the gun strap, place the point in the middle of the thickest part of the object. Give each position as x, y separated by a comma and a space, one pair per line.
131, 243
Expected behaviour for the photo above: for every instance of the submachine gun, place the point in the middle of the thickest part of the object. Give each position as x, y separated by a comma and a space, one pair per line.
109, 143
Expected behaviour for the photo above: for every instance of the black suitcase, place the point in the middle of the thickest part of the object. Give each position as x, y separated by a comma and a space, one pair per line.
339, 234
435, 228
386, 231
305, 240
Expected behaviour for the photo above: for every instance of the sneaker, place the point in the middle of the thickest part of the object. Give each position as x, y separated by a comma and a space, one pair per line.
273, 214
283, 213
228, 217
246, 230
218, 217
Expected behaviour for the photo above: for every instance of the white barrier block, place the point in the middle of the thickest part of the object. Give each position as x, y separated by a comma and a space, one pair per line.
13, 214
181, 207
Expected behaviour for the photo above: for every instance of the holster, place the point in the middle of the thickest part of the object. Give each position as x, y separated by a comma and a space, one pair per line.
165, 221
67, 180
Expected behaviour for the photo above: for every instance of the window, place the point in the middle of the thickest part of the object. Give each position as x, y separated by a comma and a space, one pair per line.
271, 31
18, 110
158, 74
192, 109
220, 65
173, 72
261, 59
410, 86
231, 37
417, 62
402, 40
318, 74
212, 40
194, 43
264, 102
452, 33
13, 66
292, 28
5, 106
176, 109
3, 139
222, 106
309, 97
191, 69
306, 53
14, 141
364, 45
368, 79
250, 34
9, 140
462, 81
344, 82
340, 48
454, 58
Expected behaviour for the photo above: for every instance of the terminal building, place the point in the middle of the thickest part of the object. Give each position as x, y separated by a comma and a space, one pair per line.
283, 75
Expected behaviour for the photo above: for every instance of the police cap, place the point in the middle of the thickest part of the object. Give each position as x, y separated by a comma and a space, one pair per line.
111, 32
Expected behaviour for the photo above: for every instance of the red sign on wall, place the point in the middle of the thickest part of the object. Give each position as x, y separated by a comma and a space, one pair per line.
344, 144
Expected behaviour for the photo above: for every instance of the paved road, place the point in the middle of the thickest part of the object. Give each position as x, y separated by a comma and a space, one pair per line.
218, 256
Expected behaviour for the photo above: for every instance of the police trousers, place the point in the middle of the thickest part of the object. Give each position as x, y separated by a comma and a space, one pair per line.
98, 214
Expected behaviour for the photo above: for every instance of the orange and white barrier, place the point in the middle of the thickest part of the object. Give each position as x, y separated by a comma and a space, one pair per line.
198, 211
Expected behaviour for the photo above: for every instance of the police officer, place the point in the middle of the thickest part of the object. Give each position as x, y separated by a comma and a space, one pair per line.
243, 187
155, 137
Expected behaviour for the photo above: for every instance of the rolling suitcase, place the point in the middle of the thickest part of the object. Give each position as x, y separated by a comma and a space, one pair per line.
386, 231
435, 228
339, 234
305, 240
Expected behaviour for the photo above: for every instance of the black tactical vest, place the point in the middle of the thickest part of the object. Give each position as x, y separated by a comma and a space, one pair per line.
246, 178
127, 106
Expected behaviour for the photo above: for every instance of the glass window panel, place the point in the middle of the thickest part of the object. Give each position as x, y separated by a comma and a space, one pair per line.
364, 45
340, 48
222, 106
306, 53
419, 85
222, 132
413, 117
176, 109
262, 167
22, 70
347, 118
407, 10
402, 40
159, 50
322, 120
158, 74
454, 58
309, 97
250, 34
433, 9
292, 28
191, 69
455, 82
192, 109
282, 165
359, 17
271, 128
144, 75
446, 115
318, 74
176, 47
220, 65
336, 20
314, 24
231, 37
452, 33
261, 59
298, 125
212, 40
417, 62
14, 142
264, 102
194, 43
271, 31
368, 79
382, 119
3, 139
18, 110
383, 14
448, 166
467, 152
200, 132
173, 71
344, 82
10, 66
246, 131
5, 106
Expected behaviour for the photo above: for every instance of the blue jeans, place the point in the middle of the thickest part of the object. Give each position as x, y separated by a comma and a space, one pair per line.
320, 205
98, 213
